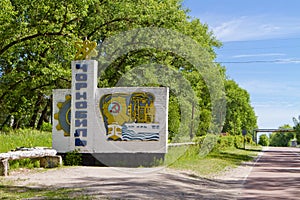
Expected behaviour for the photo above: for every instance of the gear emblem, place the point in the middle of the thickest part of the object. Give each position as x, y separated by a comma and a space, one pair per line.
64, 116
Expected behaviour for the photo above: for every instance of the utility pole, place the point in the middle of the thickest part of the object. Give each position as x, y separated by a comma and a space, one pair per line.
192, 121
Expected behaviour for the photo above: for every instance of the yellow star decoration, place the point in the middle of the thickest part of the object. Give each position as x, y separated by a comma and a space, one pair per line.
85, 50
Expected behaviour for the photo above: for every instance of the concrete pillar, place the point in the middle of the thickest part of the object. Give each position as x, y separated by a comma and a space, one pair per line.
84, 86
4, 167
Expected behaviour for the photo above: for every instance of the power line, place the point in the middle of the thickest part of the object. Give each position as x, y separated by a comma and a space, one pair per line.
258, 48
259, 61
266, 46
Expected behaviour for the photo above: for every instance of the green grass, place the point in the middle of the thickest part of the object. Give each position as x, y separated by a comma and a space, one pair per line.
30, 138
184, 158
9, 191
24, 138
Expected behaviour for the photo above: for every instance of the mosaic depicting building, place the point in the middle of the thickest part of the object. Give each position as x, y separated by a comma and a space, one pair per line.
129, 117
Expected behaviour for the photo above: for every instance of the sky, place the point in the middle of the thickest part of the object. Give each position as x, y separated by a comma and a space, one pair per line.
261, 51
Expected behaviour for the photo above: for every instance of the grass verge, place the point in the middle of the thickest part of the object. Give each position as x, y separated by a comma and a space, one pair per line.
9, 191
213, 163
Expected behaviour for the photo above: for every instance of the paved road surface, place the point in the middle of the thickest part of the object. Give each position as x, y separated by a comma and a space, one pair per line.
276, 175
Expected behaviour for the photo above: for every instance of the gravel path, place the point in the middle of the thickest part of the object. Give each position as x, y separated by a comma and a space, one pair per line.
137, 183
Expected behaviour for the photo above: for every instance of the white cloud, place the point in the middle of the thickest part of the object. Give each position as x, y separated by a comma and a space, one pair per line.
258, 55
255, 28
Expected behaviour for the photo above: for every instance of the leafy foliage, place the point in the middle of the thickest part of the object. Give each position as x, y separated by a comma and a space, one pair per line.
282, 139
239, 115
297, 128
73, 158
37, 45
263, 140
24, 163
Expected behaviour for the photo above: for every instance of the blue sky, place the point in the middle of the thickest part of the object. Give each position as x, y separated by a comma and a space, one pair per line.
261, 51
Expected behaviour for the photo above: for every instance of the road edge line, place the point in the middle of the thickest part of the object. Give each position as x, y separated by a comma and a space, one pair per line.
254, 163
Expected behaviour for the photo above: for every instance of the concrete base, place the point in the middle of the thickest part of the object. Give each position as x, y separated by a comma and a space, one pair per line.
121, 159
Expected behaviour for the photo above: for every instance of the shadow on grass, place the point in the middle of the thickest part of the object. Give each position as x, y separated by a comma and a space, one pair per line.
253, 150
21, 192
232, 157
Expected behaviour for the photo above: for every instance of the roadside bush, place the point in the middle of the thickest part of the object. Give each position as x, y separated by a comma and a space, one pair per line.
238, 141
225, 142
199, 140
249, 140
208, 144
263, 140
73, 158
221, 142
281, 139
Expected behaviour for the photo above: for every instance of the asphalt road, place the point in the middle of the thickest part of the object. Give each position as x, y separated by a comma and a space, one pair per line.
275, 175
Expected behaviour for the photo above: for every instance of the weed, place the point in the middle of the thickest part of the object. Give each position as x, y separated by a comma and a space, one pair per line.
24, 163
73, 158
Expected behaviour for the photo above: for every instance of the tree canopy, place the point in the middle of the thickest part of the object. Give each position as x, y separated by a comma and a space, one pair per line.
37, 46
239, 114
263, 140
282, 139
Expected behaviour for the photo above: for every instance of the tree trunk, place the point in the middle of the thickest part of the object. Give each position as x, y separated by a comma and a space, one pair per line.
5, 122
36, 111
43, 116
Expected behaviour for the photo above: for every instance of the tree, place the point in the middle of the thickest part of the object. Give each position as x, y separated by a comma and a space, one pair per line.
239, 114
263, 140
282, 139
37, 46
297, 128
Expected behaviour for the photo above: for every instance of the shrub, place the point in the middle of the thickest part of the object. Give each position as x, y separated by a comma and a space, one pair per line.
46, 127
263, 140
199, 140
281, 139
208, 144
238, 141
215, 142
24, 163
225, 142
73, 158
